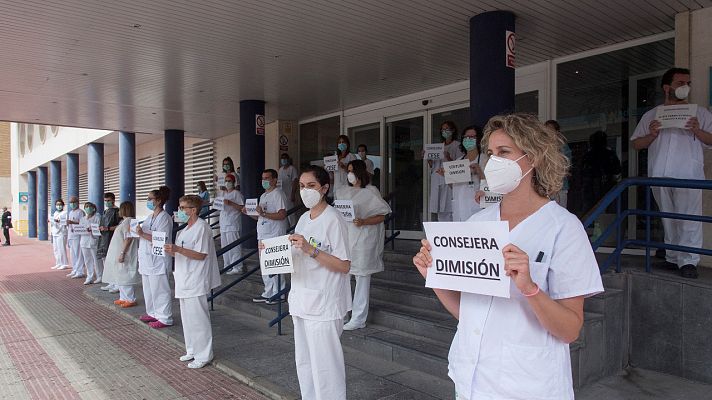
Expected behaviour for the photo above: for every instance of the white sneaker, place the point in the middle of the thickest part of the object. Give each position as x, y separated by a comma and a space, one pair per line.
186, 357
114, 290
79, 276
70, 275
88, 282
56, 267
234, 271
195, 364
97, 280
105, 288
63, 267
352, 326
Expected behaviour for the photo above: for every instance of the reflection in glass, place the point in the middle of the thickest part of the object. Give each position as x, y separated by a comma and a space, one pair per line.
405, 175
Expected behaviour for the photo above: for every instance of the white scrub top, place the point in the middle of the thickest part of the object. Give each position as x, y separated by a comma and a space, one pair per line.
340, 174
318, 293
675, 153
148, 264
57, 228
500, 350
76, 216
89, 241
369, 166
230, 217
272, 202
196, 277
287, 175
441, 193
463, 194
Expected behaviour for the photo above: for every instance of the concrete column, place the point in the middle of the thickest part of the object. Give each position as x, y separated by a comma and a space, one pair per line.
127, 167
95, 175
72, 176
252, 157
174, 167
55, 176
32, 204
42, 186
491, 80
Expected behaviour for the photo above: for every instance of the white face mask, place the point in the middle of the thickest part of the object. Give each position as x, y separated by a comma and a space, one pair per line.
682, 92
351, 177
362, 154
310, 197
503, 175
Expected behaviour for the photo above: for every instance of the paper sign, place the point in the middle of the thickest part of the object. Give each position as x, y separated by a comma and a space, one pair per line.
80, 229
132, 228
276, 258
95, 230
331, 163
346, 208
279, 184
221, 180
490, 198
675, 116
434, 151
467, 257
457, 171
158, 240
219, 203
251, 207
63, 219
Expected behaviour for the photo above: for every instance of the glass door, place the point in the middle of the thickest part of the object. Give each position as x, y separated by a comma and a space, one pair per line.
369, 135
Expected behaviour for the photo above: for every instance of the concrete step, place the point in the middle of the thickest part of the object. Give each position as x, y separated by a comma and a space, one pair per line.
412, 295
439, 326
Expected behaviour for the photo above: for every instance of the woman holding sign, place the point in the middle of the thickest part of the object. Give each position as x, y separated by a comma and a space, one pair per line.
154, 268
440, 192
320, 295
59, 235
343, 146
230, 223
121, 267
518, 347
196, 274
88, 242
366, 237
463, 194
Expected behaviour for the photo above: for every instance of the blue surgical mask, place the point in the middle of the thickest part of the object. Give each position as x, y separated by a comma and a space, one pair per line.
265, 184
447, 133
342, 146
108, 204
181, 216
89, 210
59, 207
73, 206
284, 162
150, 205
226, 167
469, 143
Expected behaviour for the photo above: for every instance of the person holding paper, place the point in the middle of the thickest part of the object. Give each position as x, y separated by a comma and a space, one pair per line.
59, 236
121, 268
289, 177
196, 273
518, 347
343, 146
366, 236
677, 152
363, 156
88, 242
74, 216
463, 194
440, 193
154, 270
230, 223
107, 225
320, 294
205, 196
271, 223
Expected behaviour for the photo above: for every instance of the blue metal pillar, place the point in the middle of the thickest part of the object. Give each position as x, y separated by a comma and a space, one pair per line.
55, 175
175, 166
252, 157
72, 176
42, 186
491, 78
95, 175
32, 204
127, 167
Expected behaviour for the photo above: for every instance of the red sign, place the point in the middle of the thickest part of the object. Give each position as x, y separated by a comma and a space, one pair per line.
510, 41
260, 124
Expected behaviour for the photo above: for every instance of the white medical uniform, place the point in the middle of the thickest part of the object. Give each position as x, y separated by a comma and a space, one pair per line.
369, 165
73, 238
318, 301
678, 153
440, 192
88, 244
271, 202
194, 280
59, 240
463, 194
230, 226
366, 244
122, 275
340, 176
154, 270
501, 350
287, 175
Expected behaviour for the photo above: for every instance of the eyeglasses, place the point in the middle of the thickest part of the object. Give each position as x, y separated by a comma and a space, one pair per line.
182, 208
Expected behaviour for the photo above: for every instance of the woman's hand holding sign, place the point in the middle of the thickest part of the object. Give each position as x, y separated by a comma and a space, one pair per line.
299, 242
423, 260
516, 265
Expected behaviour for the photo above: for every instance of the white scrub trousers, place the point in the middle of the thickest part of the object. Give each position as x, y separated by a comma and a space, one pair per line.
89, 256
233, 255
77, 259
271, 287
59, 246
359, 311
320, 359
197, 332
157, 296
127, 293
680, 232
99, 268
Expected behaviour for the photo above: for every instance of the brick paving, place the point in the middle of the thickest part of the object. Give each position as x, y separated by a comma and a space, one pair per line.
55, 343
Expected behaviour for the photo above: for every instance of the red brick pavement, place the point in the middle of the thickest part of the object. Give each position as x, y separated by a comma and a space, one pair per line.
24, 267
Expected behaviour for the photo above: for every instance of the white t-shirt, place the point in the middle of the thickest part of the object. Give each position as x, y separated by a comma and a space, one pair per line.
340, 174
89, 241
196, 277
369, 165
675, 153
501, 350
76, 216
287, 175
57, 228
318, 293
453, 151
148, 264
272, 202
230, 217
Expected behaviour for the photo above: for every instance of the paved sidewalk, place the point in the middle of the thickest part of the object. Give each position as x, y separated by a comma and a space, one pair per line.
56, 343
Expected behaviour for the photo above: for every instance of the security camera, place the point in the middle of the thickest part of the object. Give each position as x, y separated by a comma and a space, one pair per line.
426, 102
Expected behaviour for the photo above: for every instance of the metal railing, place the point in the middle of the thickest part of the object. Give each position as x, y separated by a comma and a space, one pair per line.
614, 195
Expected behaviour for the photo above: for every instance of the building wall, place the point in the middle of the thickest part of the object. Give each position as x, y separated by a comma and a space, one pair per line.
6, 198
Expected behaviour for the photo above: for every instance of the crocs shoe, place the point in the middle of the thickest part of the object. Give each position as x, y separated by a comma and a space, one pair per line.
146, 318
119, 302
186, 357
157, 325
195, 364
128, 304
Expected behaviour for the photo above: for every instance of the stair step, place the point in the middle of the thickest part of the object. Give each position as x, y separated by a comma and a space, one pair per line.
439, 326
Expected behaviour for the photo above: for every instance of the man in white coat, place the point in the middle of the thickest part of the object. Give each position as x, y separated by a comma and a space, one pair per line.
75, 215
677, 153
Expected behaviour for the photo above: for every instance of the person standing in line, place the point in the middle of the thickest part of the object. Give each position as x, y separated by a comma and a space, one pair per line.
6, 225
343, 146
121, 268
204, 196
289, 179
562, 198
366, 235
464, 204
59, 236
677, 153
271, 223
107, 225
441, 193
88, 242
320, 295
196, 273
73, 238
154, 269
228, 168
231, 224
363, 156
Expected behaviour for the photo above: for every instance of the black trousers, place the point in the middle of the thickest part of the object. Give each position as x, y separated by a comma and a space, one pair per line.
6, 233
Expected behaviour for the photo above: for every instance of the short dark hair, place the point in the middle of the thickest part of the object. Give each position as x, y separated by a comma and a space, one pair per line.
670, 74
362, 145
109, 195
272, 172
553, 123
360, 171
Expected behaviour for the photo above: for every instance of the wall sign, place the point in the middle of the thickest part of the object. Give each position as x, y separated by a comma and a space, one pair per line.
260, 124
510, 41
